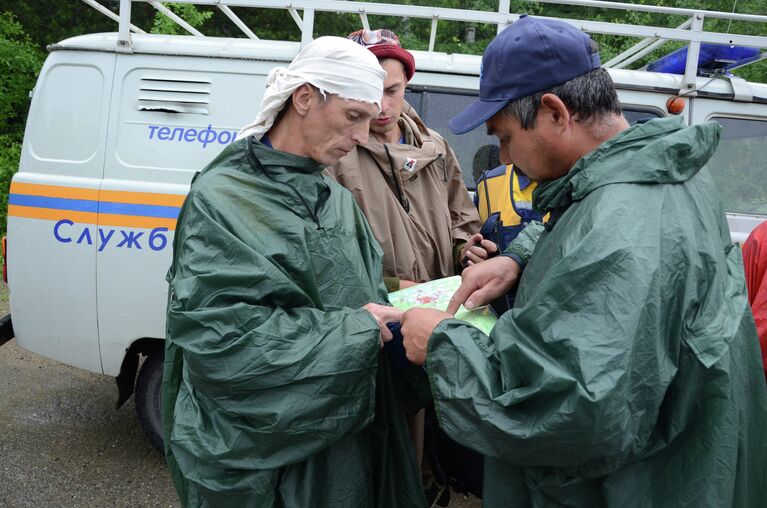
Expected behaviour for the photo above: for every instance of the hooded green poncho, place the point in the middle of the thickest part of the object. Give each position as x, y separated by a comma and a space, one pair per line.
628, 373
275, 389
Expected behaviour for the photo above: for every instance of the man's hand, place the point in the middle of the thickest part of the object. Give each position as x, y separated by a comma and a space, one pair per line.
484, 282
478, 249
404, 283
417, 326
383, 314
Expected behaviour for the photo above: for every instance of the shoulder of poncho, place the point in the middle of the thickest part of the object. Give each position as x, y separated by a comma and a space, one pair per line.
234, 177
617, 194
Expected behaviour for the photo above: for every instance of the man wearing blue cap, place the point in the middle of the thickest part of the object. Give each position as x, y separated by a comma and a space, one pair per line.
628, 372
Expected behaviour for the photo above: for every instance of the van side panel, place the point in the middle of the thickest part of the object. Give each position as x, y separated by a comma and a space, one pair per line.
53, 208
171, 116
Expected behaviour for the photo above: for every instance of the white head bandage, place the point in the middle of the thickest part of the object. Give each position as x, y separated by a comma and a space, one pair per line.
334, 65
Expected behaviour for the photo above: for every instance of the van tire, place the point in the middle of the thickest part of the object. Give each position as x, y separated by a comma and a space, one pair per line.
149, 397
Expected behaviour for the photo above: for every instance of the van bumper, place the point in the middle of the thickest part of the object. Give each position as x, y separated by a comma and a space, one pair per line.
6, 329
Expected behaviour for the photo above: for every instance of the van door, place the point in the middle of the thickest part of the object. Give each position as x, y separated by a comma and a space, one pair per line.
739, 166
172, 116
52, 211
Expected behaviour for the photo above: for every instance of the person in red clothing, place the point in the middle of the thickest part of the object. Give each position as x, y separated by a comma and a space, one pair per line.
755, 261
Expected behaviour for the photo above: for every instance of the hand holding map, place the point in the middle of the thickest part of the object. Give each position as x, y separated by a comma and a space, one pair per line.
436, 295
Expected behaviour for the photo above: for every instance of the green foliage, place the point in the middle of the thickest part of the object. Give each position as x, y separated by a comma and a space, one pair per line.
10, 150
20, 61
164, 25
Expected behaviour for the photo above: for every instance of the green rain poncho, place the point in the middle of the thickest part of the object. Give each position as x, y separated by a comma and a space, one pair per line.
276, 392
628, 373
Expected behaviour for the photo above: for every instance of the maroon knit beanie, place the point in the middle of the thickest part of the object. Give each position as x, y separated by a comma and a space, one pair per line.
384, 43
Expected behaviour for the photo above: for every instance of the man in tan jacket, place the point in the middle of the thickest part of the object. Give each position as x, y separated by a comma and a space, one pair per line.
407, 182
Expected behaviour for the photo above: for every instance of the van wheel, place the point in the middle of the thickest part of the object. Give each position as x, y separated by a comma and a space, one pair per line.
149, 397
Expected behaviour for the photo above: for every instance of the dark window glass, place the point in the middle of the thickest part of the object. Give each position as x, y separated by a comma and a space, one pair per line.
739, 165
414, 99
476, 151
634, 114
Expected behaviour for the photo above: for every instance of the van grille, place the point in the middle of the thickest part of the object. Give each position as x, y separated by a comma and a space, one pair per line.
173, 95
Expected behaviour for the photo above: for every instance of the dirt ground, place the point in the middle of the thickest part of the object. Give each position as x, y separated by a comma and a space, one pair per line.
63, 443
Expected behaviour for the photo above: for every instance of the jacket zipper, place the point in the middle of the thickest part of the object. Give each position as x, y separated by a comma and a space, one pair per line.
400, 196
444, 165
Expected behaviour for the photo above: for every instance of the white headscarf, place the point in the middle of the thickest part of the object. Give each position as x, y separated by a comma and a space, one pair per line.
334, 65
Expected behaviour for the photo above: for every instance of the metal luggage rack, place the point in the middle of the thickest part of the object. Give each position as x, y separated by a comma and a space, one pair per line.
690, 31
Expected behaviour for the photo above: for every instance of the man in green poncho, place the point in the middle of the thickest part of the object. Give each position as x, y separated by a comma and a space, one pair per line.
628, 372
275, 391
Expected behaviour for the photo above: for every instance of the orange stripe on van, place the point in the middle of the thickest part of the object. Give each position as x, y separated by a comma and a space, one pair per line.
54, 191
142, 198
128, 221
136, 198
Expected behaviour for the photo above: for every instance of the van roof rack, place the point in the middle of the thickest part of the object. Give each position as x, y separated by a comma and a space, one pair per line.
690, 31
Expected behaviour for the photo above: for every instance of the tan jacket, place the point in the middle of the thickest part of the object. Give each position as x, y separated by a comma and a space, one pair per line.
414, 198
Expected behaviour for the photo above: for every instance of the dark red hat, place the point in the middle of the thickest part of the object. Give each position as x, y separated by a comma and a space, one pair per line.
384, 43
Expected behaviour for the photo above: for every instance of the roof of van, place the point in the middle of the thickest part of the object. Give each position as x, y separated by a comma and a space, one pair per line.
284, 51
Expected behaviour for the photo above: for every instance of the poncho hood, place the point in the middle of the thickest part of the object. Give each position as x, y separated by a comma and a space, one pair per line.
283, 160
659, 151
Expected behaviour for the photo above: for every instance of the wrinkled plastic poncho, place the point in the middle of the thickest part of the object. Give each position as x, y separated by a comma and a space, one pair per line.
275, 389
628, 373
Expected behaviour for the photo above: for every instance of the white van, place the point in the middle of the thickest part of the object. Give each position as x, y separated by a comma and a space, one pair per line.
115, 135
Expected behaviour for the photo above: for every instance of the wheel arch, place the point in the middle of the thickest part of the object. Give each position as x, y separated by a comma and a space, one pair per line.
126, 379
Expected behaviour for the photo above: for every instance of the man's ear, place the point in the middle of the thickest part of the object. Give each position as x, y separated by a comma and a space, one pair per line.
554, 110
302, 99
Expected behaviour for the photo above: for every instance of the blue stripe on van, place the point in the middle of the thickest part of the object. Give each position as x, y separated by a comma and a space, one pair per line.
84, 205
165, 212
77, 205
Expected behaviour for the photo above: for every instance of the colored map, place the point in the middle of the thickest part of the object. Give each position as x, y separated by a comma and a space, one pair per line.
436, 295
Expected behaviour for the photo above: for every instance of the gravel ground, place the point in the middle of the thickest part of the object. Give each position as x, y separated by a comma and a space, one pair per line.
63, 443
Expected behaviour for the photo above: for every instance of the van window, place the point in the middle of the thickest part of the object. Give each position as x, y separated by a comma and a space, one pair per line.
67, 115
739, 165
635, 114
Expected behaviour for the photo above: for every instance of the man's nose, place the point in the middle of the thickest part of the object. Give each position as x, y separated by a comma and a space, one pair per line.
360, 134
504, 156
385, 104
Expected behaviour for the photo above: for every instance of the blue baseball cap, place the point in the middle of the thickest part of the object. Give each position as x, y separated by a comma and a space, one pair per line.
530, 56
